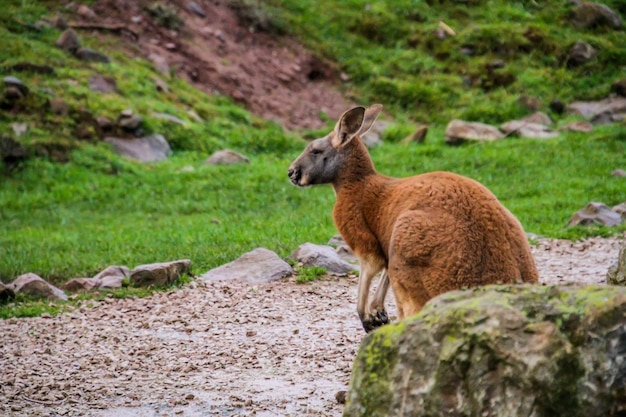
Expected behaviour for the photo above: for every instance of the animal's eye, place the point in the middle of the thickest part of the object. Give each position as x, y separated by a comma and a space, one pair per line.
316, 151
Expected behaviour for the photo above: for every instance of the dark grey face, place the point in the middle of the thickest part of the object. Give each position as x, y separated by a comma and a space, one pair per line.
318, 164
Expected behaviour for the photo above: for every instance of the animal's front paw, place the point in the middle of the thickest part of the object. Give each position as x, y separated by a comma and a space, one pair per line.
373, 321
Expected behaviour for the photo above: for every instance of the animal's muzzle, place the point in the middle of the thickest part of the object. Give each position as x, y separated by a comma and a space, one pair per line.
294, 175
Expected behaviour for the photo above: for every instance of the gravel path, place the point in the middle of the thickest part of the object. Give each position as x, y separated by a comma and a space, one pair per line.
215, 349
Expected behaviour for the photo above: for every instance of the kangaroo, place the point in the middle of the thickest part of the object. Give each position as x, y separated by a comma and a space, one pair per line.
428, 234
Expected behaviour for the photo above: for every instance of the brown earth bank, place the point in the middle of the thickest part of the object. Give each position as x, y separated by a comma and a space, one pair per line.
216, 349
273, 76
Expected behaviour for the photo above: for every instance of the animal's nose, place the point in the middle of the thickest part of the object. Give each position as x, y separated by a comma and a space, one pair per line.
290, 172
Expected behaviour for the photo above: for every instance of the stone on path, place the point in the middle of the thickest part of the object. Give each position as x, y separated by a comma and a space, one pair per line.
309, 254
258, 266
35, 286
159, 274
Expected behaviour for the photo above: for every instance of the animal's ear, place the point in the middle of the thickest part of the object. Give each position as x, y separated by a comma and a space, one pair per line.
371, 113
348, 126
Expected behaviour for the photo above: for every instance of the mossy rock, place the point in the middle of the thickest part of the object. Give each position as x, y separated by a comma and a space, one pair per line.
499, 351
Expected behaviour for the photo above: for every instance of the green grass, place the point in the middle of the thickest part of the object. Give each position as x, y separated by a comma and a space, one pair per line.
72, 219
308, 274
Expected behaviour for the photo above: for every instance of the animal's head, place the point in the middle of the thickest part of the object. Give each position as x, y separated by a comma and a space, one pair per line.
323, 159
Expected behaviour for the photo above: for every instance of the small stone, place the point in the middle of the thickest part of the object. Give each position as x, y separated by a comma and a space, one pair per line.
195, 8
618, 173
102, 84
130, 123
68, 41
104, 123
419, 136
11, 81
58, 106
86, 12
90, 55
340, 396
580, 53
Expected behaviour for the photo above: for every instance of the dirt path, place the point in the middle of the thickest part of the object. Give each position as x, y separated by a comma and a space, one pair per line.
214, 349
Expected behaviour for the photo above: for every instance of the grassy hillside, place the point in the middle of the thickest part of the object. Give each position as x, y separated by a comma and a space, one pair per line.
73, 218
391, 52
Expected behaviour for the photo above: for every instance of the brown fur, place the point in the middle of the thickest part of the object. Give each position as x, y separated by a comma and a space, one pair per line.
430, 233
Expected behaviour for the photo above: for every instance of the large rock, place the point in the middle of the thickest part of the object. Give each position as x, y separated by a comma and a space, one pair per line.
588, 15
459, 131
609, 110
617, 272
595, 213
528, 129
159, 274
35, 286
81, 284
151, 148
69, 41
258, 266
506, 351
309, 254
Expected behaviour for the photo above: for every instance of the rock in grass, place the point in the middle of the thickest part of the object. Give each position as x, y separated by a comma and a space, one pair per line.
617, 272
309, 254
528, 130
90, 55
595, 213
256, 267
81, 284
608, 110
35, 286
151, 148
68, 41
227, 157
504, 351
459, 131
11, 81
589, 15
159, 274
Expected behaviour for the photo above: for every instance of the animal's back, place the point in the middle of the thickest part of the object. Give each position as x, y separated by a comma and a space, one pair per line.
452, 232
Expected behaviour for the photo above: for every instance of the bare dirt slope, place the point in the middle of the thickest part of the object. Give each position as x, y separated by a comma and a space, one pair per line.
215, 349
273, 76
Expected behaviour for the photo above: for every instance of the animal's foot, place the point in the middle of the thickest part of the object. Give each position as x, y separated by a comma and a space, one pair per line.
373, 321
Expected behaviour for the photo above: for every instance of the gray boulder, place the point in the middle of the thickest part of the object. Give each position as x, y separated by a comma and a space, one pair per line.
35, 286
81, 284
578, 126
506, 351
256, 267
159, 274
151, 148
617, 272
11, 81
588, 15
226, 157
459, 131
528, 130
609, 110
309, 254
595, 213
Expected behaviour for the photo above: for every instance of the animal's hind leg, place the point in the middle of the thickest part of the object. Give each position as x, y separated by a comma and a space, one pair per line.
415, 240
377, 306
